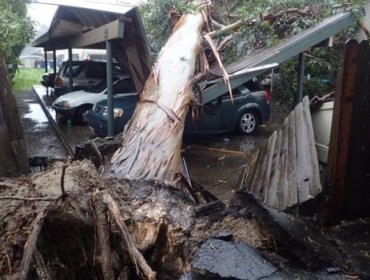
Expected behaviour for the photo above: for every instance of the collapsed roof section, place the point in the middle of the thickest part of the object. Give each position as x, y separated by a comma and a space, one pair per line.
89, 25
247, 67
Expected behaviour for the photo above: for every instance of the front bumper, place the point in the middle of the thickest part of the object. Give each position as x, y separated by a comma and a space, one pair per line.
65, 113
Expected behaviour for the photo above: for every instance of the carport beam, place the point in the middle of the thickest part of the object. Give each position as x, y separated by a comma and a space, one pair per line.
110, 88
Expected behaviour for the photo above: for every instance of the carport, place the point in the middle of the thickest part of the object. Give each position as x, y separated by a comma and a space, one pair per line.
116, 28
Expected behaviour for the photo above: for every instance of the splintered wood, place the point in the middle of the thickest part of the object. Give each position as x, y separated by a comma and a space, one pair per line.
288, 172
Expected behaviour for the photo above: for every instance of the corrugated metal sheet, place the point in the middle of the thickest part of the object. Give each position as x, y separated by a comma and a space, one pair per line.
293, 45
286, 49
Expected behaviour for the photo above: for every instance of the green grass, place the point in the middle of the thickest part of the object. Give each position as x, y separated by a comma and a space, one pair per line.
25, 78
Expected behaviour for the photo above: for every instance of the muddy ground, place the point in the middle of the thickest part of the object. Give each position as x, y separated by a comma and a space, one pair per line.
215, 161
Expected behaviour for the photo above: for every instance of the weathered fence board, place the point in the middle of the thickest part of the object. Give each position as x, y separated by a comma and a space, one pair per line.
289, 171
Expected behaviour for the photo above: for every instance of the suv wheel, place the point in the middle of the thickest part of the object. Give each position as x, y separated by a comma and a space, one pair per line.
248, 122
81, 113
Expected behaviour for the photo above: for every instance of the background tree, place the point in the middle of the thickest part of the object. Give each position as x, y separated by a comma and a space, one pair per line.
16, 30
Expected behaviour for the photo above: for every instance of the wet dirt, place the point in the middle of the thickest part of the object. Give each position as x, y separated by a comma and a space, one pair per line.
217, 162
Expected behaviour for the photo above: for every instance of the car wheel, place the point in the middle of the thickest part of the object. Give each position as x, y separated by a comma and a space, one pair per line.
248, 122
81, 113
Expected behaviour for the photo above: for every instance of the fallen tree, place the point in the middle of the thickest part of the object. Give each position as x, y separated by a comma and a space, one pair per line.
70, 222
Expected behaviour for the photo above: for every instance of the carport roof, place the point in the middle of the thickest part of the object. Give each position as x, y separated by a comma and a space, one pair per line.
89, 25
75, 19
252, 65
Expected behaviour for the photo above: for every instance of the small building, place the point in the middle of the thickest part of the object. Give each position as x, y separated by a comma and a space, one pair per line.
30, 61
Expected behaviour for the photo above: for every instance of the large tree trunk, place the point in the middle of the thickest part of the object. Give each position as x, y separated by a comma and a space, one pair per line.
13, 152
152, 143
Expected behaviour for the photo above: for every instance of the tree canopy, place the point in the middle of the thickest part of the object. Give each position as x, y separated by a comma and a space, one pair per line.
16, 29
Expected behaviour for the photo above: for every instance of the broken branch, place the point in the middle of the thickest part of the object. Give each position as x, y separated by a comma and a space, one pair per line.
64, 195
29, 198
271, 18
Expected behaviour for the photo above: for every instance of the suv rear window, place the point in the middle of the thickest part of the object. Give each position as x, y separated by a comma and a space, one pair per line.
76, 69
96, 71
253, 85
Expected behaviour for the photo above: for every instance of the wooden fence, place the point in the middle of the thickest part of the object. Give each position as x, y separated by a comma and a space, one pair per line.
287, 172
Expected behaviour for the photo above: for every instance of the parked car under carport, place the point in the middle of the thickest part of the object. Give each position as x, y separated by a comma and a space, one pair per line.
249, 108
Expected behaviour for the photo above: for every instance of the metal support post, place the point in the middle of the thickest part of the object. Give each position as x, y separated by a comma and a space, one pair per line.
70, 71
110, 88
46, 61
300, 78
55, 61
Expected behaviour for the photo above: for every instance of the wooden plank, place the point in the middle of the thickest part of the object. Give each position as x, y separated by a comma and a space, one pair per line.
315, 184
256, 182
109, 31
265, 176
259, 182
292, 197
303, 165
252, 168
270, 189
357, 186
344, 117
282, 187
224, 151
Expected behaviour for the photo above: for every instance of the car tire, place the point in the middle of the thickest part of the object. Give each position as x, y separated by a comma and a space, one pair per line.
248, 122
80, 116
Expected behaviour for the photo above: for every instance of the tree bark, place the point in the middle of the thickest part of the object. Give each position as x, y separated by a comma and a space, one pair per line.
152, 143
13, 152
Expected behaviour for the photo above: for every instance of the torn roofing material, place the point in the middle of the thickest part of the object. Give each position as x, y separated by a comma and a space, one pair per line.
285, 50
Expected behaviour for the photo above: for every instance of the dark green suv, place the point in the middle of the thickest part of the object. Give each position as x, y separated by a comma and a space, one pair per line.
250, 108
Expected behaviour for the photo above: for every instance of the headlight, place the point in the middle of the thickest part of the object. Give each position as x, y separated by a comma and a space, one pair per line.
63, 104
117, 112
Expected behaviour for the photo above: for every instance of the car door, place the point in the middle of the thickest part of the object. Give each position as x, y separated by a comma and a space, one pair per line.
229, 107
209, 117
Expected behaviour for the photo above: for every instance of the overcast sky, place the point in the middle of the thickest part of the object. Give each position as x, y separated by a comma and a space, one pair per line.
41, 13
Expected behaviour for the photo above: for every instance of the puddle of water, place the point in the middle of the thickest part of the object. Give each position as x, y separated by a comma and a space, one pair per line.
36, 114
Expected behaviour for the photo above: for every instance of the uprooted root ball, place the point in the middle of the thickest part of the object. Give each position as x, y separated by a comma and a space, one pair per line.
101, 228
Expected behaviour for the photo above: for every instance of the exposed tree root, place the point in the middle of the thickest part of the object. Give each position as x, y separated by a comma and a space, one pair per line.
135, 254
102, 226
115, 229
30, 246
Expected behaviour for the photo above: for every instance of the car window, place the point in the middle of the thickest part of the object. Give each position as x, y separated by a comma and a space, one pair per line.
253, 85
96, 71
123, 86
98, 88
76, 69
